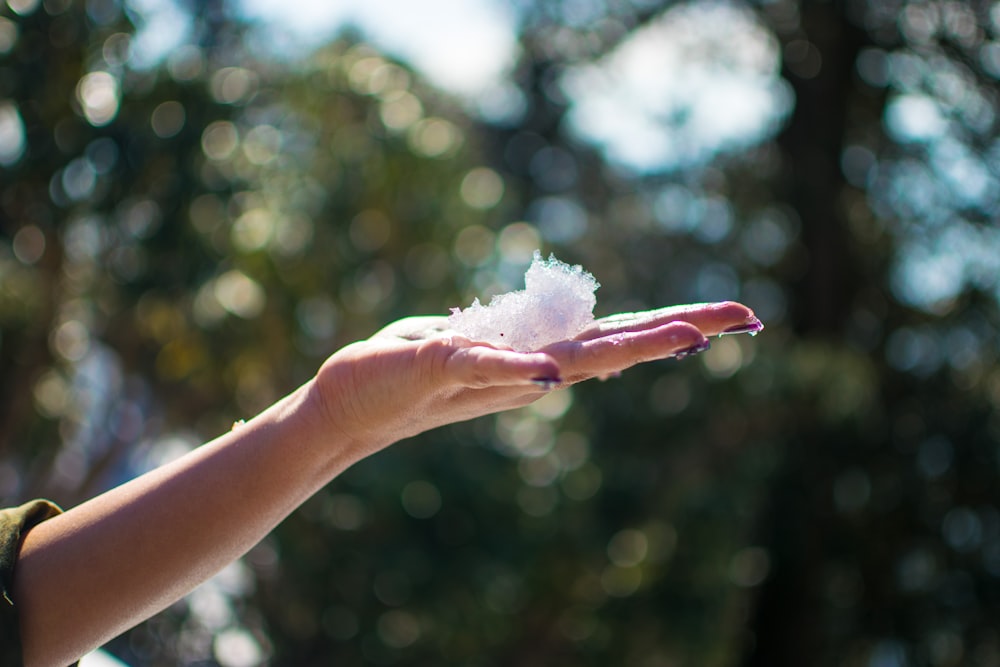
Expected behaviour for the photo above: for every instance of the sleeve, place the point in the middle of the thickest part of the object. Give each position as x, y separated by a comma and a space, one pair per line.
14, 524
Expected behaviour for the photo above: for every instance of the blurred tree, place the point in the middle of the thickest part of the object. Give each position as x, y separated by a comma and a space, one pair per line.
882, 182
868, 563
873, 210
180, 244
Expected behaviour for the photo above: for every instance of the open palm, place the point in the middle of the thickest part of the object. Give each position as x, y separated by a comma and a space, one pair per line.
415, 374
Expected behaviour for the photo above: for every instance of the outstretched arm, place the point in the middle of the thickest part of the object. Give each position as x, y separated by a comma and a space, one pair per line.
101, 567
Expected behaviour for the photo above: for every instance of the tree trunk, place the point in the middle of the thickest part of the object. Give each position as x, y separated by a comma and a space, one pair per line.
787, 626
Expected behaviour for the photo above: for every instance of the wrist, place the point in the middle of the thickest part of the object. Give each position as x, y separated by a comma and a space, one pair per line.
301, 422
318, 410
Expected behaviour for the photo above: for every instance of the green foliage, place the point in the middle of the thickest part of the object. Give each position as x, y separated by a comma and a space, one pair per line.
181, 245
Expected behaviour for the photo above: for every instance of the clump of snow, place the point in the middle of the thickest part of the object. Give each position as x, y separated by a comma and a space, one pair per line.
557, 303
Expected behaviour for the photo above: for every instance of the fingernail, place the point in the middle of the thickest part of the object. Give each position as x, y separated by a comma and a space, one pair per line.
546, 383
753, 327
695, 349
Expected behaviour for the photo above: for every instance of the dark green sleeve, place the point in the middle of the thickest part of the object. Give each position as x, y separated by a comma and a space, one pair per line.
14, 524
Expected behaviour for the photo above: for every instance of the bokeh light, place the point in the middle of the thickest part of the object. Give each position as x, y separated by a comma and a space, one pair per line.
192, 220
98, 96
723, 101
12, 141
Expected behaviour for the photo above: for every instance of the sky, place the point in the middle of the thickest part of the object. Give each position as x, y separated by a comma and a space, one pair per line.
701, 79
463, 45
726, 99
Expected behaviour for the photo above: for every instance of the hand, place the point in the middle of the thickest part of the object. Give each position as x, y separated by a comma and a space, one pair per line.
411, 376
415, 374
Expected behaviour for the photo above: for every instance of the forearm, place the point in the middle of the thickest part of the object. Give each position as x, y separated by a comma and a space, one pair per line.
96, 570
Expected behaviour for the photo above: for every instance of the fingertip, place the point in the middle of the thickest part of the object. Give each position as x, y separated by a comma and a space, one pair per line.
734, 310
544, 366
685, 332
666, 341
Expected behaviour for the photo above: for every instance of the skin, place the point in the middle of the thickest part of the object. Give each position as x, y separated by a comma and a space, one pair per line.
100, 568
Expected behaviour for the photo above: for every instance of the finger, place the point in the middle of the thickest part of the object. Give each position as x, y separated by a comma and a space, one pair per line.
712, 319
415, 328
608, 355
480, 366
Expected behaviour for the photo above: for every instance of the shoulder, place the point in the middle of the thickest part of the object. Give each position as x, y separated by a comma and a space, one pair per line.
15, 522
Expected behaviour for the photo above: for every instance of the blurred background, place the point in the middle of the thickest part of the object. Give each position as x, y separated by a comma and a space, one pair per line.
201, 199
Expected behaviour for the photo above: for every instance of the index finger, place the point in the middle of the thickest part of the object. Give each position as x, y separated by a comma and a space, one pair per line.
711, 319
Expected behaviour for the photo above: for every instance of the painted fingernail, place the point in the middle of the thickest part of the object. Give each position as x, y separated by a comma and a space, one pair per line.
753, 327
546, 383
694, 349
